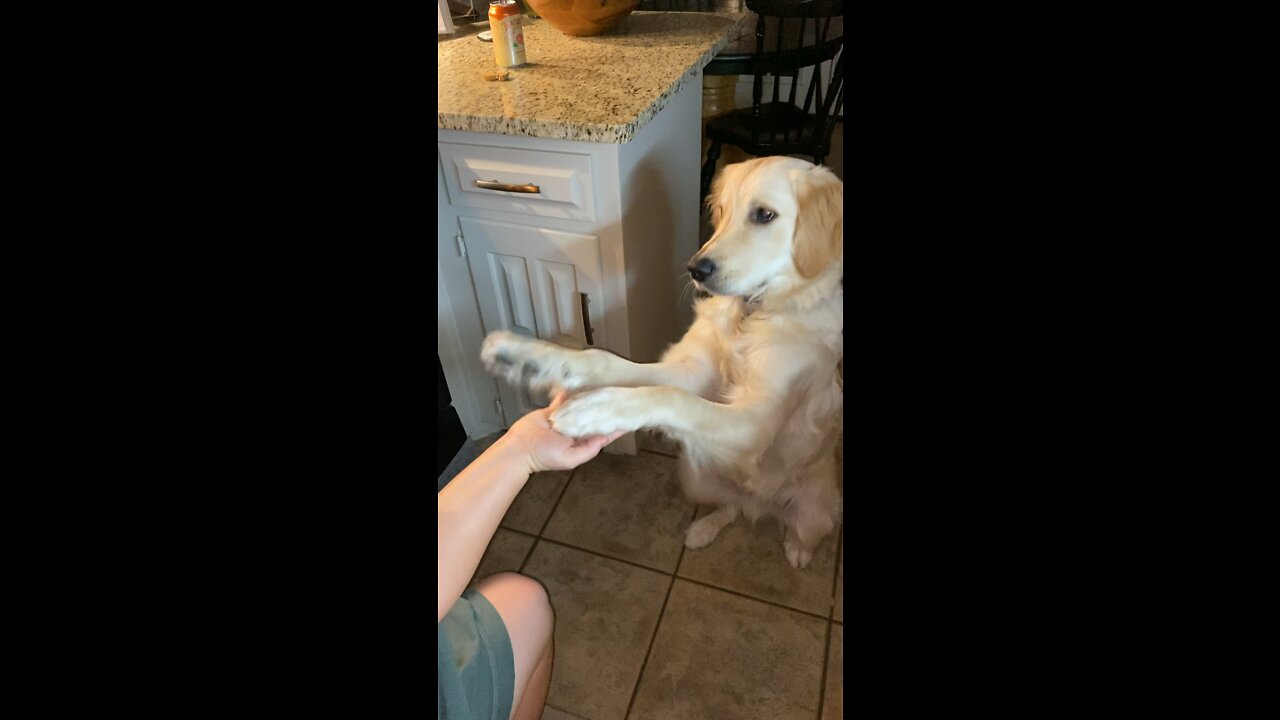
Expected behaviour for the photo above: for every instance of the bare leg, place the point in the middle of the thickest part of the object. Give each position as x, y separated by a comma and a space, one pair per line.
535, 694
526, 611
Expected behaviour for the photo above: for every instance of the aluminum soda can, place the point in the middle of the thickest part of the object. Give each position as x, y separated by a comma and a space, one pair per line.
508, 33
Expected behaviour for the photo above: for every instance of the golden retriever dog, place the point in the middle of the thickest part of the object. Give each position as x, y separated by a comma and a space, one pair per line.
751, 391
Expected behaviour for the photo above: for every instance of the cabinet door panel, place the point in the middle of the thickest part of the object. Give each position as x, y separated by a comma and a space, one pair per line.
562, 298
510, 276
536, 282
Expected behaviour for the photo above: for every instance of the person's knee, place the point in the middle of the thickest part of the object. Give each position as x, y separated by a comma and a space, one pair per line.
516, 585
539, 601
524, 592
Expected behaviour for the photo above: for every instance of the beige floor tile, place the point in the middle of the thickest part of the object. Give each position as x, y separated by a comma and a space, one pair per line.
750, 560
533, 505
833, 698
718, 655
625, 506
606, 612
505, 553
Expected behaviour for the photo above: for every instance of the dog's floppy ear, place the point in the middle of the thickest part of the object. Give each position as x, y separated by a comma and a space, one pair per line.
819, 238
717, 186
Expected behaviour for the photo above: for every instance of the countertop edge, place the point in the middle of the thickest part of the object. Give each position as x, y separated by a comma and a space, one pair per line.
549, 130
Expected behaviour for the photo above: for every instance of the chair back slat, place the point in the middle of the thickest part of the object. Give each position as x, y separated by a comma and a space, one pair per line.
837, 84
757, 88
815, 92
793, 39
790, 122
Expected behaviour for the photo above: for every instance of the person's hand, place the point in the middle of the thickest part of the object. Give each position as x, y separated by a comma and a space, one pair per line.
531, 439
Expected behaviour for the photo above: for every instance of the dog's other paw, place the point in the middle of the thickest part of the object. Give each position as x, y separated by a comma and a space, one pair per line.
701, 533
797, 554
600, 412
521, 361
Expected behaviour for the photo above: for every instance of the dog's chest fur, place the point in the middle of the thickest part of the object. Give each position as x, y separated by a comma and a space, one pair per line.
744, 335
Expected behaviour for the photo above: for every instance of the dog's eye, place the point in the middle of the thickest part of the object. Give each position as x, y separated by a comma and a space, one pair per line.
763, 216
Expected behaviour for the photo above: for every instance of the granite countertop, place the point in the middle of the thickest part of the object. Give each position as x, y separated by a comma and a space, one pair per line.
596, 89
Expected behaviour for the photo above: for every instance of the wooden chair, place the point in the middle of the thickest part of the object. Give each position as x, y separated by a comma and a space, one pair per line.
791, 35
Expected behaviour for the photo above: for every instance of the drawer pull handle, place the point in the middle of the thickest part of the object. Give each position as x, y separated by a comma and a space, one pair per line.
506, 187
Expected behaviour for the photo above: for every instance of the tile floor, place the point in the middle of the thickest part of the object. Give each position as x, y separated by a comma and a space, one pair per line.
646, 628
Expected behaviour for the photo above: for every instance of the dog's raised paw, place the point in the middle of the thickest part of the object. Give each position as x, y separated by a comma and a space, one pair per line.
518, 360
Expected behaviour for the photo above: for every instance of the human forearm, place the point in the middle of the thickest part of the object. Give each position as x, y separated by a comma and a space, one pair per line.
469, 510
470, 507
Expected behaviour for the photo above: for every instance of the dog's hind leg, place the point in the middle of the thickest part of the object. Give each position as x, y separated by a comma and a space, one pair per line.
705, 486
705, 529
812, 514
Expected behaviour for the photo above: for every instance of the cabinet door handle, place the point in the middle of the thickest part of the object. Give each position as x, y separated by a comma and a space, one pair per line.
586, 318
507, 187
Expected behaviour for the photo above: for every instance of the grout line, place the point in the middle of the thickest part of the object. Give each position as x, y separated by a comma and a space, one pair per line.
822, 685
610, 557
759, 600
657, 452
538, 537
563, 490
636, 690
529, 554
826, 656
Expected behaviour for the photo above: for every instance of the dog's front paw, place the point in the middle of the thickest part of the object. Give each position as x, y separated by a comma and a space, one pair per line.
522, 361
601, 412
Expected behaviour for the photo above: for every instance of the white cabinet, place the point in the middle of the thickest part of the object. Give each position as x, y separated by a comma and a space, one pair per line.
573, 242
538, 283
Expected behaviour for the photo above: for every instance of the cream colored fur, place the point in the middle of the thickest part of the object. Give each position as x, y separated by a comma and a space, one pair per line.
751, 391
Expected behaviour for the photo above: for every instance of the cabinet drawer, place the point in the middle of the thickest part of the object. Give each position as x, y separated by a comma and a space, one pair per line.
537, 182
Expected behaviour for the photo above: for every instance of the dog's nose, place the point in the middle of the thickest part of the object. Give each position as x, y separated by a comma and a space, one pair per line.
702, 269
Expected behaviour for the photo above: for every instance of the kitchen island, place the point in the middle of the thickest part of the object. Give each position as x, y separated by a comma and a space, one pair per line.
568, 195
594, 89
